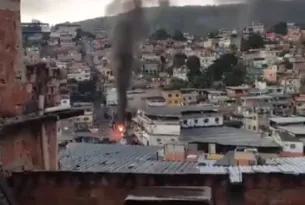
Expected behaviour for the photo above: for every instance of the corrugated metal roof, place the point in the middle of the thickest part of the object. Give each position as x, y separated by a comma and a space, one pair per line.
84, 157
282, 165
226, 136
120, 158
295, 119
295, 129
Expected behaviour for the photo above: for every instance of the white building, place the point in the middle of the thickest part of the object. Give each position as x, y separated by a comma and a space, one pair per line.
162, 125
180, 73
111, 96
79, 76
86, 120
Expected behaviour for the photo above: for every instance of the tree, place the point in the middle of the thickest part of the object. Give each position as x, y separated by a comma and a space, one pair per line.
302, 89
177, 83
288, 65
193, 64
160, 34
213, 34
178, 36
196, 78
179, 60
81, 33
233, 48
200, 81
236, 77
280, 28
254, 41
222, 65
163, 63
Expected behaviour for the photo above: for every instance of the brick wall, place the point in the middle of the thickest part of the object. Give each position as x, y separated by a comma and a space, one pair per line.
274, 189
21, 146
13, 91
63, 188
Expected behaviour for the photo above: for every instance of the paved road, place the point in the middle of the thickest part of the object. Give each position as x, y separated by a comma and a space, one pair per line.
105, 131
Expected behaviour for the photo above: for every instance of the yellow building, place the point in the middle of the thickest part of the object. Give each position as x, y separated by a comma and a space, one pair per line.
173, 97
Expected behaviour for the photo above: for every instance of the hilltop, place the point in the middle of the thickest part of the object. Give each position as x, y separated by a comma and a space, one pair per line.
201, 19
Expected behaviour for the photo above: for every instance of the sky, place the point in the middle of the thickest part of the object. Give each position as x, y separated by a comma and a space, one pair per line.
56, 11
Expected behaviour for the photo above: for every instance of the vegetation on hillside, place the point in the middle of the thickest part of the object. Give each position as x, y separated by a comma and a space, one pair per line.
201, 20
226, 69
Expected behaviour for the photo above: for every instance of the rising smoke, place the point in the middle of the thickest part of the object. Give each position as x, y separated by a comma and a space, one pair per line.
127, 33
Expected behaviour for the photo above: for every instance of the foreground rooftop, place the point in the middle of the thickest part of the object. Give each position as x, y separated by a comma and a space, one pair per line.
144, 160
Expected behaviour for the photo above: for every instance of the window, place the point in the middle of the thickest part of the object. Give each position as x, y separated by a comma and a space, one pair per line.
292, 146
196, 121
190, 98
170, 102
254, 128
206, 120
169, 95
86, 118
249, 127
185, 122
176, 102
217, 120
177, 95
173, 140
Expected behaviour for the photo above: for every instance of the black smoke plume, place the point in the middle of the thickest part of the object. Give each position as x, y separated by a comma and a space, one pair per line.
127, 33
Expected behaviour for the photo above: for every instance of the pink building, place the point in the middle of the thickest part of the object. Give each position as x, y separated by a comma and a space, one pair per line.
270, 75
238, 91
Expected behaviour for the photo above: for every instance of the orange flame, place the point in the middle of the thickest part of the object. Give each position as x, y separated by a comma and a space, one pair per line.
121, 128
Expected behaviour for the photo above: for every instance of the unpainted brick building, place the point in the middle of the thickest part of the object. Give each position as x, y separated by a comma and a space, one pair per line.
109, 188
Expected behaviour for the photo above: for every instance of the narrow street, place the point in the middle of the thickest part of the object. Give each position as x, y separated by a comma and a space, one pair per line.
105, 130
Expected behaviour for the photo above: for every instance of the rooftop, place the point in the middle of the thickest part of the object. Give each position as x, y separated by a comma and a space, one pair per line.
134, 159
176, 111
294, 129
287, 137
226, 136
284, 120
238, 87
257, 97
215, 91
23, 119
